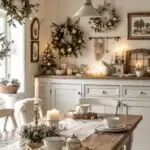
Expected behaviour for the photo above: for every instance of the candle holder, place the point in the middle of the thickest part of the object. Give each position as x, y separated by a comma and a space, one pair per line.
53, 124
36, 110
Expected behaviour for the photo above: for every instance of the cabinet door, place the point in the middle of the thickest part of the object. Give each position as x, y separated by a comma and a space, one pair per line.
65, 96
141, 135
44, 94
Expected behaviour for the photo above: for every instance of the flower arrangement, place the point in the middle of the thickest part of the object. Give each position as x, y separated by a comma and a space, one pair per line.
83, 69
67, 39
37, 134
48, 61
104, 24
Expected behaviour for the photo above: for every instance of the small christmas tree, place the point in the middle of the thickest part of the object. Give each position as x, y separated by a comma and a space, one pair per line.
48, 63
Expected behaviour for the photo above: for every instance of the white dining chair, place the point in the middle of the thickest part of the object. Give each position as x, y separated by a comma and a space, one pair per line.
24, 110
97, 102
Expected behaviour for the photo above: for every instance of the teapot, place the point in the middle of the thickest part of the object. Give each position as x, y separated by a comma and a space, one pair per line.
73, 143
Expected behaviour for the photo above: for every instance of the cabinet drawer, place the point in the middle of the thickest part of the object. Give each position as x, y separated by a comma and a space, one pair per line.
136, 91
101, 91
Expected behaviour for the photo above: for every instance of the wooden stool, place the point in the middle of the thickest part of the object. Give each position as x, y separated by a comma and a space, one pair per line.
8, 113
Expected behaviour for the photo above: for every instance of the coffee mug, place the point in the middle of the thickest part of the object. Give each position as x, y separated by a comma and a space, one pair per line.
83, 108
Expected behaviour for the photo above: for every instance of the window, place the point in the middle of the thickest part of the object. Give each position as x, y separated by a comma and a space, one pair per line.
13, 65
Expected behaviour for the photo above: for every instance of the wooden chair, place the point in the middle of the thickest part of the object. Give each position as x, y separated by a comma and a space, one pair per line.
24, 109
101, 102
8, 113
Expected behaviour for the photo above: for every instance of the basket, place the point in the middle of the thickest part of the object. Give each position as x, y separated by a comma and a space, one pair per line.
9, 89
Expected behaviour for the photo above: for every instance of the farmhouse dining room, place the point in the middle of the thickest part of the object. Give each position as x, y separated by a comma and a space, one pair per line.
74, 75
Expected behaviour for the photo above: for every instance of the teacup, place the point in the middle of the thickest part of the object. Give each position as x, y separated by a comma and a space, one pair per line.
112, 122
54, 143
83, 108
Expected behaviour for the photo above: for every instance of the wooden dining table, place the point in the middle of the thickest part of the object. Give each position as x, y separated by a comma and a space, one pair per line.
105, 140
114, 141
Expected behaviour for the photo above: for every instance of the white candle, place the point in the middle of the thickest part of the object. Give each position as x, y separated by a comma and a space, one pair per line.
53, 114
36, 89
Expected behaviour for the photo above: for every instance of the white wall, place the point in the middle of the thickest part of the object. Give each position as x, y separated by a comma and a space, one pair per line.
69, 7
58, 10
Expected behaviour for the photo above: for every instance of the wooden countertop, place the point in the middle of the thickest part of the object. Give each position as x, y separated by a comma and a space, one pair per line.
89, 77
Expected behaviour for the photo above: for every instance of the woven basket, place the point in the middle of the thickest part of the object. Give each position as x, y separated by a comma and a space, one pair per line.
10, 89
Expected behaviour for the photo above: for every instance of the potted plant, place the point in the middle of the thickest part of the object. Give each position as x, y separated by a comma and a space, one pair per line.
9, 86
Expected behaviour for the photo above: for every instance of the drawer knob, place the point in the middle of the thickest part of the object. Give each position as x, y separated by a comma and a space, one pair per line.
103, 92
141, 92
79, 93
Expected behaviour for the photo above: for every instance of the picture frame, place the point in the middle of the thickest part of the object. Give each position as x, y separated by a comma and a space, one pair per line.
35, 29
139, 26
34, 51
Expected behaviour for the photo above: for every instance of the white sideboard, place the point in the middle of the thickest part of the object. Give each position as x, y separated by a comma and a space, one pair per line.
63, 93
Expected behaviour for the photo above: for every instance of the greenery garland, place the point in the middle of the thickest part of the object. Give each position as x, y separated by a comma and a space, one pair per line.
67, 39
18, 14
99, 25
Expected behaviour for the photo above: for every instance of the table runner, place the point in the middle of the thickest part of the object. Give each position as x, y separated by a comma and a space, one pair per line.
81, 128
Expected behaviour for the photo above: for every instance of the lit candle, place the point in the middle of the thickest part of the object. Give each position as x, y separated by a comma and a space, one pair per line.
36, 88
53, 114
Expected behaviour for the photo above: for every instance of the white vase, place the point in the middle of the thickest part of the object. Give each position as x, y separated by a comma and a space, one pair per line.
54, 143
139, 73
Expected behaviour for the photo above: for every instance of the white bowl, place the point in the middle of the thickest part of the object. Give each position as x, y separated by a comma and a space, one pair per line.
54, 143
60, 72
112, 122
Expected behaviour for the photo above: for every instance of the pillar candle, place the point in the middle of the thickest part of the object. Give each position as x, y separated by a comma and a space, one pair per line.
53, 114
36, 88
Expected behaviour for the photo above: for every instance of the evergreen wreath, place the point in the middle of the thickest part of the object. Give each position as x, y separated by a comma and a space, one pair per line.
18, 14
104, 24
67, 39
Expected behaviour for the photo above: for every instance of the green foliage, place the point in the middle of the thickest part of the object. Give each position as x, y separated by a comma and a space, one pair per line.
5, 81
5, 46
18, 14
67, 39
48, 60
37, 134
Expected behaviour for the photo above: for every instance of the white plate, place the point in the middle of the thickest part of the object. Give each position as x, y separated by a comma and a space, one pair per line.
120, 128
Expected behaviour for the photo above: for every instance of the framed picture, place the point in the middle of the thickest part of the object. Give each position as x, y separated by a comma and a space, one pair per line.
35, 29
139, 26
34, 51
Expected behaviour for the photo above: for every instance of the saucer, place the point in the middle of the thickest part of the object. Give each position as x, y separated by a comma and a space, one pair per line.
119, 128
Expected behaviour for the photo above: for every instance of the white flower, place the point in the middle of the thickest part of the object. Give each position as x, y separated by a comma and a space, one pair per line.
79, 41
56, 38
62, 51
62, 30
62, 40
69, 49
49, 64
114, 18
109, 23
74, 31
